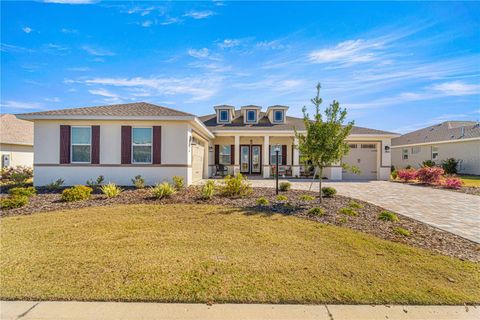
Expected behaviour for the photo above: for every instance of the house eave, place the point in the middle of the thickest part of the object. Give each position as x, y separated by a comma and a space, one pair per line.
434, 142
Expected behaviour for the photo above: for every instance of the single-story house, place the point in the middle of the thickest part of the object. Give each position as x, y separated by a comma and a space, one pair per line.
125, 140
16, 141
449, 139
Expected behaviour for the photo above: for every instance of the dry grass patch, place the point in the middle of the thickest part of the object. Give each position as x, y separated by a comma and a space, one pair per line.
200, 253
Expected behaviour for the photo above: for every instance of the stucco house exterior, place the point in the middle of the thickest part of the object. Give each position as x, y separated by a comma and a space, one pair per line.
125, 140
16, 141
449, 139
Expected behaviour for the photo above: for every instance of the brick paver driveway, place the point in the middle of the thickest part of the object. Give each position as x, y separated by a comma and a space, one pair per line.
455, 212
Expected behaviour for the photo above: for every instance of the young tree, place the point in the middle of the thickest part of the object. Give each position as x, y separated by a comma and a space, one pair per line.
324, 142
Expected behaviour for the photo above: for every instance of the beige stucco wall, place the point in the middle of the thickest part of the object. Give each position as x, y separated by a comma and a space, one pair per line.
467, 151
175, 151
20, 155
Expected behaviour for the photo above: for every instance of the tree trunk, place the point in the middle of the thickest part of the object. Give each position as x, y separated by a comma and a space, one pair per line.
320, 174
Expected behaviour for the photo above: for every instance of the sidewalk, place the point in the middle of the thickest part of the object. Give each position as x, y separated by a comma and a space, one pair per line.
10, 310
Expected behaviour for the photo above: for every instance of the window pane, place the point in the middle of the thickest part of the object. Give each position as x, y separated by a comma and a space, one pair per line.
250, 115
80, 153
81, 135
142, 154
225, 159
225, 154
278, 115
273, 155
142, 135
223, 115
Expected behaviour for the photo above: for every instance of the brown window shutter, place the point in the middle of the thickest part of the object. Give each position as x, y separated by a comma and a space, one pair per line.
284, 154
269, 154
232, 154
64, 144
217, 154
126, 157
157, 144
95, 144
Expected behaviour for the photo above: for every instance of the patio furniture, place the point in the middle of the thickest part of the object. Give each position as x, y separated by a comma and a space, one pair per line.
221, 170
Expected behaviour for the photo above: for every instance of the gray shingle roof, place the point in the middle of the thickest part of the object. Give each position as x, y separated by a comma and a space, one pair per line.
137, 109
15, 131
448, 130
264, 124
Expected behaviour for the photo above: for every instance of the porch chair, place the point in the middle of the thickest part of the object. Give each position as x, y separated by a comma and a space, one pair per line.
221, 170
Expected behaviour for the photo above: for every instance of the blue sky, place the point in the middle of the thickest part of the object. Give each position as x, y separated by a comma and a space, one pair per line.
394, 66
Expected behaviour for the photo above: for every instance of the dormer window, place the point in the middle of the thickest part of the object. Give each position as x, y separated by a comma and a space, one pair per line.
278, 116
223, 115
251, 116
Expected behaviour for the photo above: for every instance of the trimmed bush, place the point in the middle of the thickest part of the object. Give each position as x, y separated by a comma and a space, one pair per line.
281, 198
452, 183
428, 163
262, 201
27, 192
407, 174
94, 184
343, 220
450, 165
178, 183
55, 185
316, 212
348, 211
13, 202
329, 192
17, 175
76, 193
163, 190
111, 190
394, 175
387, 216
208, 190
355, 205
138, 182
236, 186
402, 231
429, 175
306, 197
285, 186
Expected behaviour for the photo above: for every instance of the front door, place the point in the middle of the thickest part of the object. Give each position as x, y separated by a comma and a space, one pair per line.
251, 159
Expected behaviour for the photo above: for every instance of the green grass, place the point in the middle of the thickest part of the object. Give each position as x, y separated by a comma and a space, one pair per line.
471, 181
201, 253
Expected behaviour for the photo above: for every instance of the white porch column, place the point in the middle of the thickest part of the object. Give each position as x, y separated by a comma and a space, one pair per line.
236, 166
296, 159
266, 154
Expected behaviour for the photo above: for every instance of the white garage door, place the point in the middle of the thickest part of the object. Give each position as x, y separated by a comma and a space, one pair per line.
363, 156
197, 162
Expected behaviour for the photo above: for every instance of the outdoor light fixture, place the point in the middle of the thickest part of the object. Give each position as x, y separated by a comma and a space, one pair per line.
277, 151
387, 149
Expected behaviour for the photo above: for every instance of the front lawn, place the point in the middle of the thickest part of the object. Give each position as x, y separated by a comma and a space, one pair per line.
204, 253
471, 181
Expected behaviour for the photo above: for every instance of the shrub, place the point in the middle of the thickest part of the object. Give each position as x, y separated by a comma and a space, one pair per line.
342, 220
387, 216
394, 175
76, 193
407, 174
348, 211
236, 186
316, 212
13, 202
430, 175
306, 197
94, 184
178, 182
282, 198
452, 183
262, 201
450, 165
138, 182
163, 190
285, 186
208, 190
402, 231
392, 168
428, 163
329, 191
355, 205
111, 190
55, 185
408, 167
18, 174
27, 192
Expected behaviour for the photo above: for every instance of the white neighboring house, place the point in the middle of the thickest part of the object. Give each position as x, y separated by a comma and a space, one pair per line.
449, 139
16, 141
125, 140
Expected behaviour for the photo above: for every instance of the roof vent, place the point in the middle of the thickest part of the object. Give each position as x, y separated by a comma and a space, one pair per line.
463, 132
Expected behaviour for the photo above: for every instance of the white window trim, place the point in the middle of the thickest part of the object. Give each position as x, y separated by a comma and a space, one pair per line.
144, 145
404, 154
254, 117
220, 115
438, 153
220, 154
273, 154
80, 144
283, 116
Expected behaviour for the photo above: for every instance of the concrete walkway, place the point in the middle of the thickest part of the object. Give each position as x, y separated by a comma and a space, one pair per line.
27, 310
456, 212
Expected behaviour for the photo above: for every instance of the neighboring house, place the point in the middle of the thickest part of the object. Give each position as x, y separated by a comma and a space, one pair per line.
16, 141
122, 141
450, 139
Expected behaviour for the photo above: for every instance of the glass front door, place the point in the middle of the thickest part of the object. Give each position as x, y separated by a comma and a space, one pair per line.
250, 159
245, 159
256, 159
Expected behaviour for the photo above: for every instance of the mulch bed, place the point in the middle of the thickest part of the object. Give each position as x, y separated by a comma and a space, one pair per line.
422, 235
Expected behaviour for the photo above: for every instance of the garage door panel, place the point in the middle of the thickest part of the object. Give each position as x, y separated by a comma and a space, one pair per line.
363, 156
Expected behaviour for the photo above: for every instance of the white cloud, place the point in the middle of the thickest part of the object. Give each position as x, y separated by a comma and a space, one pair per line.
21, 105
11, 48
79, 69
66, 30
54, 99
97, 51
229, 43
274, 45
104, 93
171, 20
456, 88
199, 53
71, 1
199, 14
27, 29
147, 23
351, 51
